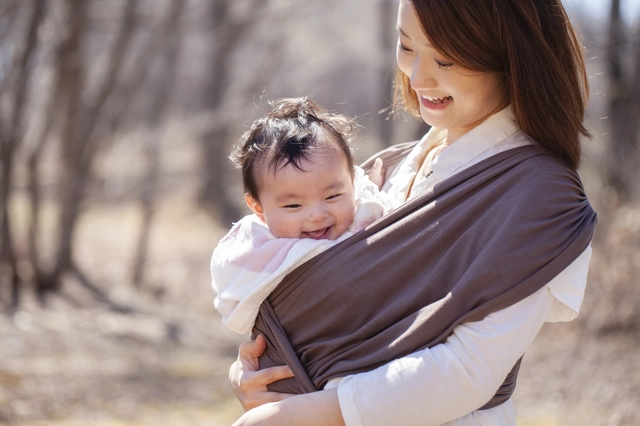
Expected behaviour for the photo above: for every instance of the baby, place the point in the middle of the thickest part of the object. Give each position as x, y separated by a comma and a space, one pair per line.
306, 195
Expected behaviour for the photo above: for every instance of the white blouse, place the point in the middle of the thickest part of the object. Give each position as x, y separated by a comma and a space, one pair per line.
443, 384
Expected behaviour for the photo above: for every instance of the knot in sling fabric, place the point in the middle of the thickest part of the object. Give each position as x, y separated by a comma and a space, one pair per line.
480, 241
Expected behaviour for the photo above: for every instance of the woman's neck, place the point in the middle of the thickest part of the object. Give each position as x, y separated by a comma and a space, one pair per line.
453, 134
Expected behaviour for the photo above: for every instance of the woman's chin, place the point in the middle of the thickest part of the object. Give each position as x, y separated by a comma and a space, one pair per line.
432, 121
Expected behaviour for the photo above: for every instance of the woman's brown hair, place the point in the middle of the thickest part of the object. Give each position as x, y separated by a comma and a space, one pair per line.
533, 45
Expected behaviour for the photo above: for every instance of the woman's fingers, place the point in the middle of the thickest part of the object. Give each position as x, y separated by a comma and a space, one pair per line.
250, 351
249, 384
272, 374
250, 387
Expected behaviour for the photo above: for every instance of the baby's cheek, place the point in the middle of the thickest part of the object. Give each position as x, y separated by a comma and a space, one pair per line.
348, 215
354, 209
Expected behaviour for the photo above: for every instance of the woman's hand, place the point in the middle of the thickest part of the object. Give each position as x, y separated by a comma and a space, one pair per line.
249, 383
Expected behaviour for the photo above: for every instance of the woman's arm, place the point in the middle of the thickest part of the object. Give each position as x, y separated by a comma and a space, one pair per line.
449, 380
311, 409
452, 379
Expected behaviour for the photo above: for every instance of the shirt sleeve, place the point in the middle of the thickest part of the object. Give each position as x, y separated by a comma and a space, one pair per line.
568, 289
452, 379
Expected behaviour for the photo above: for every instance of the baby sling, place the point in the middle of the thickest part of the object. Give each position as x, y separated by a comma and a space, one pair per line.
480, 241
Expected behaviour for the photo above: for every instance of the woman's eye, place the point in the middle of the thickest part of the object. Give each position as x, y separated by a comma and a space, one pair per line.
403, 48
444, 65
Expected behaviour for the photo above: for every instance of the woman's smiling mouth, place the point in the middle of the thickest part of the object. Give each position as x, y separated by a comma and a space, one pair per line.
435, 103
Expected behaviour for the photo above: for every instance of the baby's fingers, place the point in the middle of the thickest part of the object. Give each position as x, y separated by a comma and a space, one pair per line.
376, 172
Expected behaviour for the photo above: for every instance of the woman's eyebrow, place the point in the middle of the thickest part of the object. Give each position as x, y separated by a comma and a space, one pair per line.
402, 32
409, 38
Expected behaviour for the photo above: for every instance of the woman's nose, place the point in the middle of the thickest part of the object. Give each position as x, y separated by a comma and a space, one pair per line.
422, 76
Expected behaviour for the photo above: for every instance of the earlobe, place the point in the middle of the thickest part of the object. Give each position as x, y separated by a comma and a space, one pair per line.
255, 206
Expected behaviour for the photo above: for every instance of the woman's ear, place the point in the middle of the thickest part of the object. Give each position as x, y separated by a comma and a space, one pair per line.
255, 206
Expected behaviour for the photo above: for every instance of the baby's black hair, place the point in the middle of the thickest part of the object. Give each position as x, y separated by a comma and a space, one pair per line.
288, 134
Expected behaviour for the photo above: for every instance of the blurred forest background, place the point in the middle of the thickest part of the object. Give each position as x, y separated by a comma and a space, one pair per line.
116, 121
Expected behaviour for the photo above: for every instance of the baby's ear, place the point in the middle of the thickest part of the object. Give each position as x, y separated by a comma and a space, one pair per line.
255, 206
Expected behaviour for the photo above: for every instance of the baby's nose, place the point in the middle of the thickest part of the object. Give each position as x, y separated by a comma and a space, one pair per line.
318, 213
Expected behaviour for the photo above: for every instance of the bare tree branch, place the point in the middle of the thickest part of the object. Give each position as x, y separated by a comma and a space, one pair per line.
132, 86
7, 7
71, 73
386, 13
226, 32
120, 48
25, 70
623, 151
34, 182
159, 105
96, 292
9, 12
634, 96
9, 140
51, 113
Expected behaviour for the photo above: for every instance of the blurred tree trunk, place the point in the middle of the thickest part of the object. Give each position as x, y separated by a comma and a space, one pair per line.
8, 12
71, 74
35, 196
624, 109
11, 135
159, 103
52, 114
226, 31
386, 16
78, 123
392, 128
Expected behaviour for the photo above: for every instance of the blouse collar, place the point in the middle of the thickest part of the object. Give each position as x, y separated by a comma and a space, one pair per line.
454, 157
486, 135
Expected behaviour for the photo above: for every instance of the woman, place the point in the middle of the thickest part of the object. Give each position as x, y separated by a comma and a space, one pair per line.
489, 76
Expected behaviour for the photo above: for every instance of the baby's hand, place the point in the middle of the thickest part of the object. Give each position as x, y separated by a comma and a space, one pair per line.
376, 174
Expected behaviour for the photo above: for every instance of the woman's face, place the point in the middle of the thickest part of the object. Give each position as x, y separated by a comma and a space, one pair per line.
451, 97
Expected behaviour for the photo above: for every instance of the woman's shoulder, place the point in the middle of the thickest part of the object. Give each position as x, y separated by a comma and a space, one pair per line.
543, 186
544, 167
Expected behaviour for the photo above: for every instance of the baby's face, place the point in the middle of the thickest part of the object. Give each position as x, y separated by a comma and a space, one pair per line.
317, 202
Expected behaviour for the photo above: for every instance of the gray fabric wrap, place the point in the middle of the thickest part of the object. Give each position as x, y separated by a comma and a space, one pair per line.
480, 241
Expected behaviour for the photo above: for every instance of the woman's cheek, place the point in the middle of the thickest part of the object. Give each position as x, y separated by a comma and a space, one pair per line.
404, 63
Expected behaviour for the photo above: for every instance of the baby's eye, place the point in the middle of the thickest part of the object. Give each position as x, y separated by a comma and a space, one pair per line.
292, 206
334, 196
